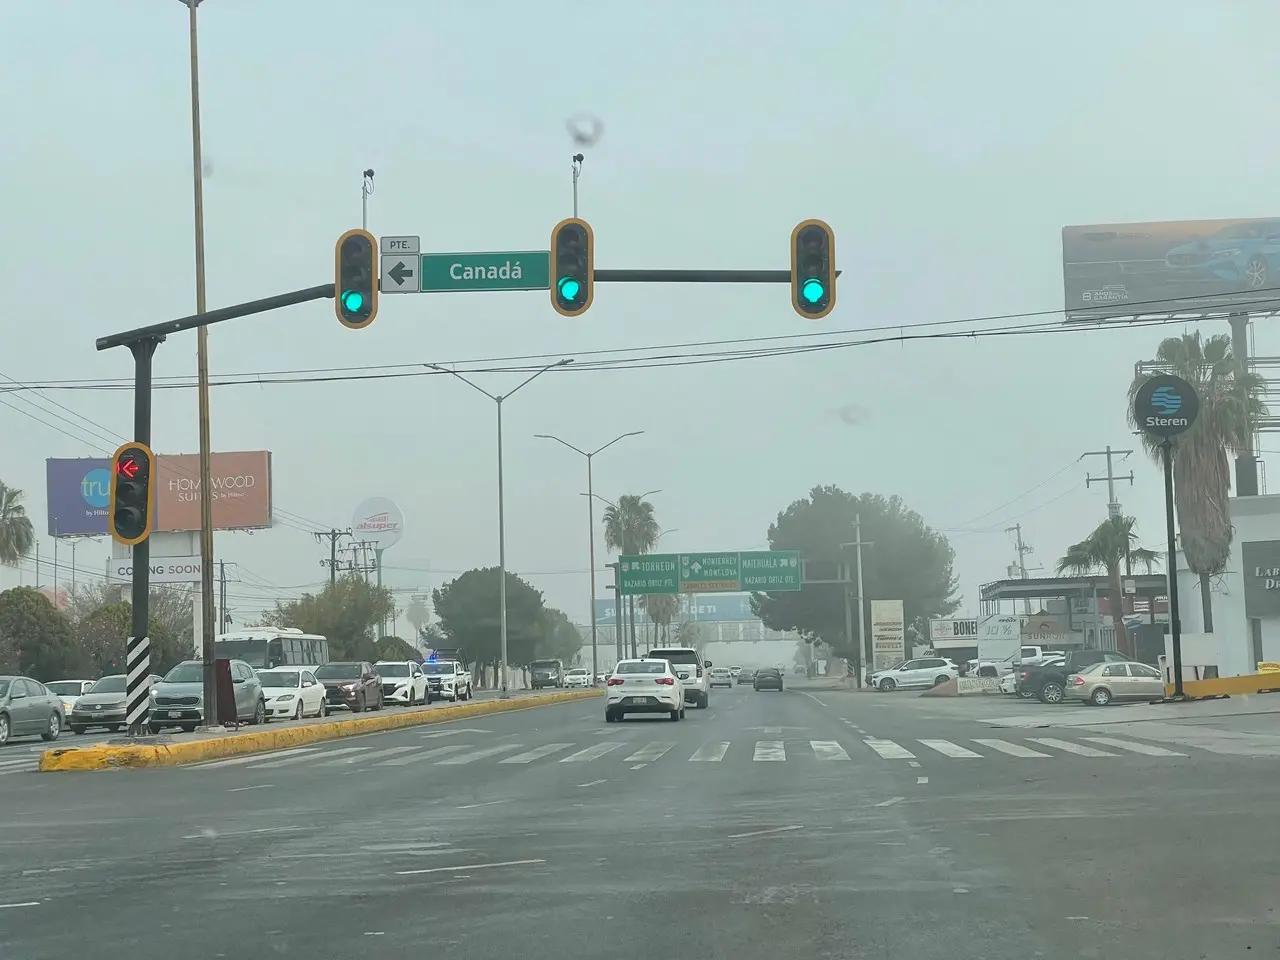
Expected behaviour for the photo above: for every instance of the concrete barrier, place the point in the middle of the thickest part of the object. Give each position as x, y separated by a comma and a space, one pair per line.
978, 686
108, 756
948, 689
1226, 686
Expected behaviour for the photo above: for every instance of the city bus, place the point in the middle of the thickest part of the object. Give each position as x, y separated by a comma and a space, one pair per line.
270, 647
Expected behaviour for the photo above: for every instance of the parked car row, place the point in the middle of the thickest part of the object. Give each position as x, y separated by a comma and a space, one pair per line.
1098, 677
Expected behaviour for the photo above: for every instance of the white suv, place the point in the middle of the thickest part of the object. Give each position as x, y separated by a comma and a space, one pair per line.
693, 671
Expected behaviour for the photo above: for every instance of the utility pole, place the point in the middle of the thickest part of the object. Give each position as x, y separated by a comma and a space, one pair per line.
333, 536
863, 653
1113, 506
1021, 562
223, 619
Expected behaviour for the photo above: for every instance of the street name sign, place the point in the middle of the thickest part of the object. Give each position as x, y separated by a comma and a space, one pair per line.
760, 571
502, 270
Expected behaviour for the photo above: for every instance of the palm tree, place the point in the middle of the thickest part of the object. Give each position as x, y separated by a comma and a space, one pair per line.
16, 533
1230, 407
630, 528
662, 609
417, 615
1110, 548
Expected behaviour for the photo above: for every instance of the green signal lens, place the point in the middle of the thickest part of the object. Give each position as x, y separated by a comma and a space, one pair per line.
812, 290
352, 301
569, 288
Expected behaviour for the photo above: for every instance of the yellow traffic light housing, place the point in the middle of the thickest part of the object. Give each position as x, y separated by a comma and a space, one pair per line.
573, 263
355, 279
813, 269
132, 510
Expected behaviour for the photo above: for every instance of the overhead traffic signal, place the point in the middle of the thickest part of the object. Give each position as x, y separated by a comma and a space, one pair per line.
572, 264
132, 515
813, 269
355, 281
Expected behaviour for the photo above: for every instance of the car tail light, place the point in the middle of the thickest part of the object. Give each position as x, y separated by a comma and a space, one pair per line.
615, 681
1024, 675
665, 681
1077, 681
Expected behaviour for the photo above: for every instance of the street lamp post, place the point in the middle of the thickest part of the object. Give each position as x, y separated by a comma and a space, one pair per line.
502, 528
591, 517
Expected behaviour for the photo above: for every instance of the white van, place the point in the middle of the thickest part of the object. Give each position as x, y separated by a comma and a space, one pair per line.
692, 670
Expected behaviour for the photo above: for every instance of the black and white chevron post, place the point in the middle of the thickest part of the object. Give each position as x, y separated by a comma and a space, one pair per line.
137, 674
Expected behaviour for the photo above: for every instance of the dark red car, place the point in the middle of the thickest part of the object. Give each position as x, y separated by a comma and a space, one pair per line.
353, 684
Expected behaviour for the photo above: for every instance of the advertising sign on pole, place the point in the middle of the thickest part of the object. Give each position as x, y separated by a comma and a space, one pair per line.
1194, 267
888, 634
167, 570
999, 637
378, 521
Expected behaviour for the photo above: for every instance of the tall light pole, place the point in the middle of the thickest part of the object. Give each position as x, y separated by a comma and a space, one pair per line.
631, 604
591, 508
502, 523
202, 377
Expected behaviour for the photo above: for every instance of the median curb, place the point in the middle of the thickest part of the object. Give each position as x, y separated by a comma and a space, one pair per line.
106, 756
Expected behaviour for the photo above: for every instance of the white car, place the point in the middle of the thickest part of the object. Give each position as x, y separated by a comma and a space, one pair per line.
577, 677
292, 693
691, 670
921, 672
449, 679
644, 686
721, 677
69, 691
403, 682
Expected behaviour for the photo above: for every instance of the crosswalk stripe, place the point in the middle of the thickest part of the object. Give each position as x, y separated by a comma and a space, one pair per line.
770, 750
1076, 748
269, 764
828, 750
592, 752
888, 749
710, 752
370, 755
1135, 747
537, 753
404, 761
653, 751
252, 758
949, 749
1012, 749
481, 754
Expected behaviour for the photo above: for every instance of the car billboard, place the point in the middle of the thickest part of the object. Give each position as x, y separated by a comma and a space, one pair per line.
1200, 267
78, 493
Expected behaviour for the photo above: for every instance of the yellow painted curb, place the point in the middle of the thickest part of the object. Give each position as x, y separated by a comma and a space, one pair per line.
1226, 686
106, 756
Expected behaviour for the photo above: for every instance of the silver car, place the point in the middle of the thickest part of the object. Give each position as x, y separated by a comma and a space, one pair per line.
27, 709
178, 699
103, 705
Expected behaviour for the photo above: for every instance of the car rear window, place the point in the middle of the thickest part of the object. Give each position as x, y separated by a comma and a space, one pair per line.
675, 656
641, 666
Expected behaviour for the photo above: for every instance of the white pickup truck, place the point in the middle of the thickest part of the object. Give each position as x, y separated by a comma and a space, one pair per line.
998, 668
449, 679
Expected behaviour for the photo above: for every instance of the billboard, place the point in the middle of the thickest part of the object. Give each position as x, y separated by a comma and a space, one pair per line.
1201, 267
78, 492
378, 521
711, 608
953, 632
888, 634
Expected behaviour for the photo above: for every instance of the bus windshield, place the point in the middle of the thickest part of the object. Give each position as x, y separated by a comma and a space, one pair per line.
253, 652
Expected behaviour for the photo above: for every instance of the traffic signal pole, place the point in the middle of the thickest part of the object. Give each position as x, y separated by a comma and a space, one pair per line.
137, 656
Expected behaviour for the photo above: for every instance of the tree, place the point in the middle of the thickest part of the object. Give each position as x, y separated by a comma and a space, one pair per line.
346, 612
393, 648
908, 561
417, 615
16, 533
560, 639
661, 609
630, 528
36, 637
1110, 548
688, 633
1230, 407
103, 621
468, 611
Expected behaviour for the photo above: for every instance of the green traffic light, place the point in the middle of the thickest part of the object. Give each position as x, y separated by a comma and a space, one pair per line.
569, 288
812, 290
352, 301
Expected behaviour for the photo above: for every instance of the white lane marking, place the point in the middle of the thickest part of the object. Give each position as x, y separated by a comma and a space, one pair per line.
828, 750
1012, 749
913, 763
765, 833
28, 903
638, 766
891, 801
815, 699
888, 749
260, 786
446, 733
1134, 747
593, 783
467, 866
424, 755
537, 753
592, 753
648, 754
487, 803
710, 752
1069, 747
253, 758
480, 754
370, 755
770, 731
770, 750
922, 779
268, 764
949, 749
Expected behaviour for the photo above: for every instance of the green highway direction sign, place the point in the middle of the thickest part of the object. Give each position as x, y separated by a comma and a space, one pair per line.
404, 269
760, 571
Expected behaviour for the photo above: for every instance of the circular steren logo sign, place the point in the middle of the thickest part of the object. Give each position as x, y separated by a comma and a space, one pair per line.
1165, 406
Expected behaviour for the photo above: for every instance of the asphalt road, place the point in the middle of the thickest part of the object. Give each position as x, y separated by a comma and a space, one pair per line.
771, 825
